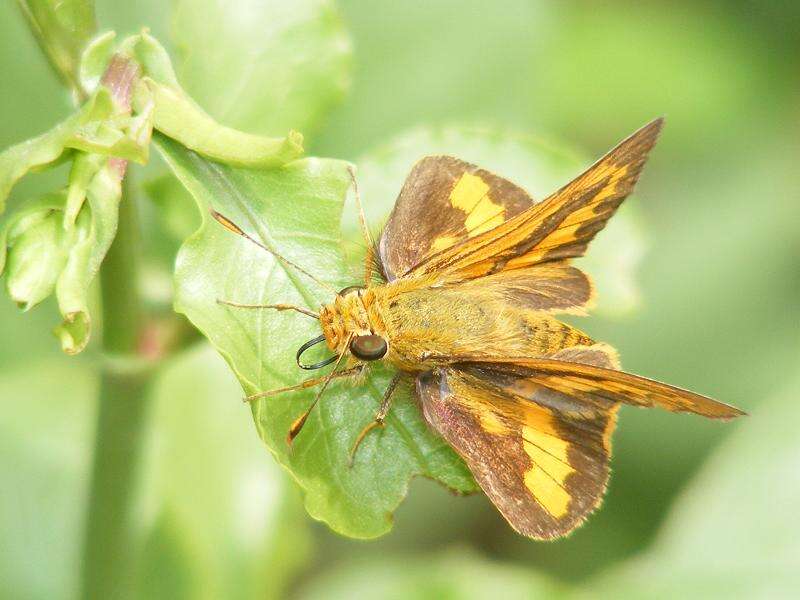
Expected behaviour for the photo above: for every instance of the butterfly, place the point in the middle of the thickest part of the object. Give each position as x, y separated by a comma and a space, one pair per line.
460, 295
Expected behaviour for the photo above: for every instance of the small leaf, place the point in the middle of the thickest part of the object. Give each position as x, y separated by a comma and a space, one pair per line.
97, 228
177, 116
94, 60
296, 209
539, 166
62, 28
93, 128
169, 109
84, 168
263, 65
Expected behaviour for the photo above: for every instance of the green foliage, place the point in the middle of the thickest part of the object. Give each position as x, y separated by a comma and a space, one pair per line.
62, 28
218, 512
730, 532
47, 252
296, 211
94, 128
266, 65
42, 256
217, 519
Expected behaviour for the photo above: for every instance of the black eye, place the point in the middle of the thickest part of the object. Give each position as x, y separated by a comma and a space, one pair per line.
368, 347
350, 288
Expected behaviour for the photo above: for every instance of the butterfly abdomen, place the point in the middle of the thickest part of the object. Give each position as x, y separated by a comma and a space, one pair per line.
547, 335
431, 327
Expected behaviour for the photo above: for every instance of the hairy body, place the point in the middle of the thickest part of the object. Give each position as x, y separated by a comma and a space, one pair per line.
427, 327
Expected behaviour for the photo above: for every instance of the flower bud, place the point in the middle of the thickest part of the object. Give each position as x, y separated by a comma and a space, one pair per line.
38, 249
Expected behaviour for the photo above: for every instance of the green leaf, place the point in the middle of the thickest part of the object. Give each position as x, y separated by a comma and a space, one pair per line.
296, 209
84, 168
26, 218
43, 255
162, 102
177, 116
97, 228
62, 28
44, 149
263, 65
94, 60
539, 166
94, 128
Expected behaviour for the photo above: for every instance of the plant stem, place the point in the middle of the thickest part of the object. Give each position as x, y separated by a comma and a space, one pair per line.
109, 554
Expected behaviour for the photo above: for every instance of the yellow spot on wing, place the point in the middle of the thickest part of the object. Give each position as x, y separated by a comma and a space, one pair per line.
549, 470
486, 216
442, 242
467, 192
491, 423
471, 194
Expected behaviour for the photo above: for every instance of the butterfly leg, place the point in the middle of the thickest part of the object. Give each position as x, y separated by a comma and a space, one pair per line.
380, 416
306, 384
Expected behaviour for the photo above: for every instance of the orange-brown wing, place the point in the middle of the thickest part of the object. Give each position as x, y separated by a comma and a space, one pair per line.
554, 287
558, 228
595, 385
540, 456
444, 201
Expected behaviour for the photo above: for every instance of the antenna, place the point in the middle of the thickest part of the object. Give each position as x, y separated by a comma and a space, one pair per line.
362, 219
231, 226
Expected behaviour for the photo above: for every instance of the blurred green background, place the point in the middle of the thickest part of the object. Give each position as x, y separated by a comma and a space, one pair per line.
697, 508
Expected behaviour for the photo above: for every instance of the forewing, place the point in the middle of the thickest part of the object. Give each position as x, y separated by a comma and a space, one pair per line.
558, 228
443, 202
542, 464
597, 386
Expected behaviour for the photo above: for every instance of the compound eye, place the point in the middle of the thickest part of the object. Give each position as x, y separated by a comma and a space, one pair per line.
368, 347
350, 288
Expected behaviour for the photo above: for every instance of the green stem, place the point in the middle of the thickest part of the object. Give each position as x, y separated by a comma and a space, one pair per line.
109, 553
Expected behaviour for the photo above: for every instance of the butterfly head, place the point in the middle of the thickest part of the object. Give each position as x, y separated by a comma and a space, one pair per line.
349, 325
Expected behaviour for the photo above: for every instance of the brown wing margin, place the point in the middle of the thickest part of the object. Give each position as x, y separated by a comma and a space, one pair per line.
597, 386
444, 201
561, 226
